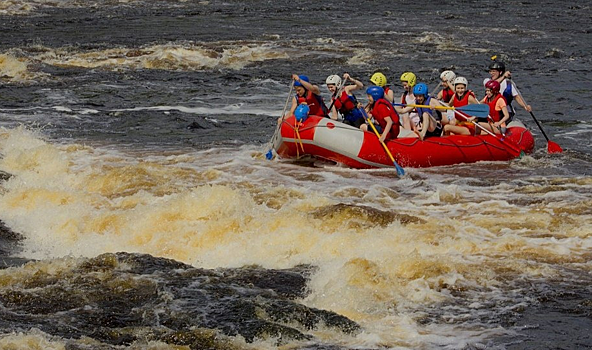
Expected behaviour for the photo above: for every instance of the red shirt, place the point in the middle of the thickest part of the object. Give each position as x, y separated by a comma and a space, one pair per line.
383, 109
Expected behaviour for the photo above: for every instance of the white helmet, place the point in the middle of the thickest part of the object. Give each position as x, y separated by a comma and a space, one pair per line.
461, 80
447, 75
485, 81
333, 79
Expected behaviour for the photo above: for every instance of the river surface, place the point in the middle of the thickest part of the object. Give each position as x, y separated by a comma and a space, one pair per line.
138, 211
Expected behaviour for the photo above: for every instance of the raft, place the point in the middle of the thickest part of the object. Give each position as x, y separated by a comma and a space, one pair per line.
327, 139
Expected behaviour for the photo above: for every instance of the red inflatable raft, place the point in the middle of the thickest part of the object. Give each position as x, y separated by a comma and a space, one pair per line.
331, 140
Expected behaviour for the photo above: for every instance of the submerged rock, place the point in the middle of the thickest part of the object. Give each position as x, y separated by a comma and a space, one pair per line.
123, 299
4, 176
361, 217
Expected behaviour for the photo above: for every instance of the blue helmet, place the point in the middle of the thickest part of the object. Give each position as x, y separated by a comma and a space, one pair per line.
301, 112
302, 77
420, 89
376, 92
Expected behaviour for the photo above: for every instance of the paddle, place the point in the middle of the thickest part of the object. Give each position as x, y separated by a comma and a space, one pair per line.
519, 152
552, 147
475, 110
400, 170
269, 154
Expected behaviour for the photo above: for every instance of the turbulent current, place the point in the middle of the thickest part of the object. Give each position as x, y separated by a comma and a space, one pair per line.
138, 210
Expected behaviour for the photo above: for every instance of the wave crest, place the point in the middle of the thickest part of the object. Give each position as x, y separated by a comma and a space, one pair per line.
166, 57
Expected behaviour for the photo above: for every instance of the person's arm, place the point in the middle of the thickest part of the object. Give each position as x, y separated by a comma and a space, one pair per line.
293, 107
349, 88
473, 100
521, 101
387, 128
501, 105
435, 103
308, 86
403, 110
313, 88
518, 96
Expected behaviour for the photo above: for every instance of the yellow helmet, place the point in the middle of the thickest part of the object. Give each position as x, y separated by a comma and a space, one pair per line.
410, 78
378, 79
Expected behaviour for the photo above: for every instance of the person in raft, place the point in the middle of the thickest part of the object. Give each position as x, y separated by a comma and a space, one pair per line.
497, 72
309, 94
383, 113
446, 80
431, 118
498, 112
379, 79
344, 101
463, 124
409, 117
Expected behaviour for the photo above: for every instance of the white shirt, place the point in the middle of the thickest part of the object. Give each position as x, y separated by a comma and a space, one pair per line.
413, 116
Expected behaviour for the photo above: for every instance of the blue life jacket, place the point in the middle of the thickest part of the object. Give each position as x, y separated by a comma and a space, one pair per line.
507, 93
354, 114
420, 110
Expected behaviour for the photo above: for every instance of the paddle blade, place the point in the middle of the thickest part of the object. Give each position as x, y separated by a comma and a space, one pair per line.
475, 110
400, 170
269, 155
552, 147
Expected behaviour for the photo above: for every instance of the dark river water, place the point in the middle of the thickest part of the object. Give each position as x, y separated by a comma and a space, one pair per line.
138, 211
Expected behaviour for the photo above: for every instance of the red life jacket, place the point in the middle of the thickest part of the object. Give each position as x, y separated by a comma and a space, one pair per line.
456, 102
345, 103
447, 94
382, 109
314, 102
496, 115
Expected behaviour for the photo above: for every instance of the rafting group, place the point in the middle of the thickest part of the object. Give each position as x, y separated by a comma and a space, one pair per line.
447, 113
417, 130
